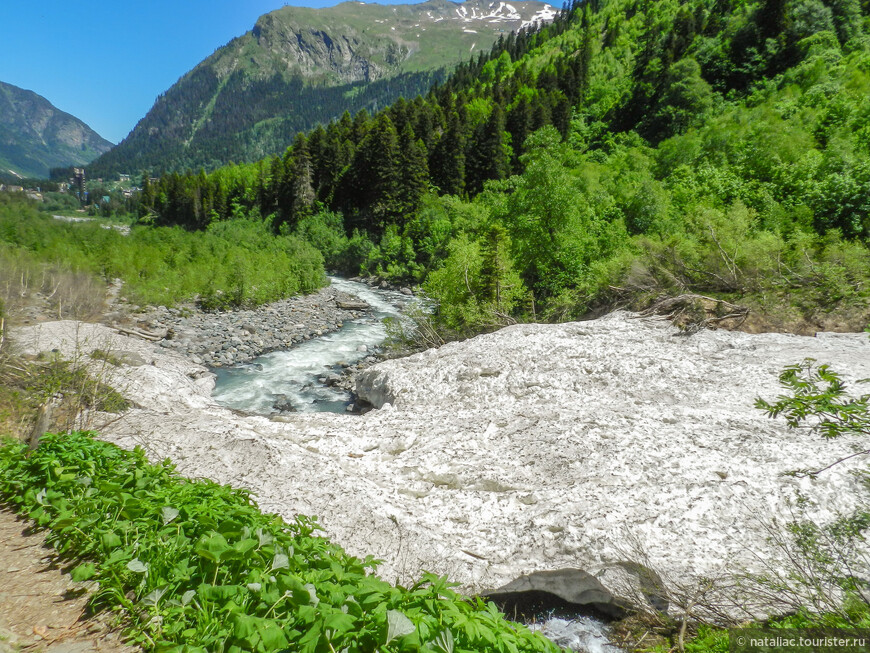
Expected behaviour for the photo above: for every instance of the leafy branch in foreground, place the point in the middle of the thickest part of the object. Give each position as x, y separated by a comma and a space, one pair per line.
193, 566
818, 395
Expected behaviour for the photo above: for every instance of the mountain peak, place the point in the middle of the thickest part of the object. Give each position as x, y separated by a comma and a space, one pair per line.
300, 66
36, 136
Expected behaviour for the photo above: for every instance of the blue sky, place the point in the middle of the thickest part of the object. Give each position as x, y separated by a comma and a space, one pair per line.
106, 62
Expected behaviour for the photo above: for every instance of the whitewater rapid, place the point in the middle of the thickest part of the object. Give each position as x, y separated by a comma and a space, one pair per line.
298, 377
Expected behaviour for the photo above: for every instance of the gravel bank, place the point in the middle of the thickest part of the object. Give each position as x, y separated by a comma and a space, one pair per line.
222, 339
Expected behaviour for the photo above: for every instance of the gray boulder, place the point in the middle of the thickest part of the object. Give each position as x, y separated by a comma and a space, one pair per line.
573, 586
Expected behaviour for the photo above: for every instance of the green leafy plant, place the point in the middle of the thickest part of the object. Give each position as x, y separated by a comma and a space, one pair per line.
818, 396
825, 581
195, 566
107, 356
233, 263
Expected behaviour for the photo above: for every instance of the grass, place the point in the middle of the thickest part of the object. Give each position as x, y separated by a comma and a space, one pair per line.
28, 384
68, 291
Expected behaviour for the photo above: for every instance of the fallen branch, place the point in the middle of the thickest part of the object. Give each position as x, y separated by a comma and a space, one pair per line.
145, 335
694, 312
809, 473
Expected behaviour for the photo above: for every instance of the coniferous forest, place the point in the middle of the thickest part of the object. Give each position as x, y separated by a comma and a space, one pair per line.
626, 150
249, 130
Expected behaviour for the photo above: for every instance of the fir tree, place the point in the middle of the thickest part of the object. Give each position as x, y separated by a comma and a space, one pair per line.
488, 153
415, 173
447, 163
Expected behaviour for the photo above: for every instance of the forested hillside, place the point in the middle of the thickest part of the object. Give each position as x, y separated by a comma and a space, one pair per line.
628, 148
299, 67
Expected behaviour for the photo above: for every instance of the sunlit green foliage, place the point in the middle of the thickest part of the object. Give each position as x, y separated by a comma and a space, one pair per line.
195, 566
631, 148
234, 263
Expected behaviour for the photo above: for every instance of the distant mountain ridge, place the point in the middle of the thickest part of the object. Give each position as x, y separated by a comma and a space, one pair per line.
36, 136
299, 67
354, 41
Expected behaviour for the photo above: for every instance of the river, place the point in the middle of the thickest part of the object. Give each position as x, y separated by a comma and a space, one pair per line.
299, 376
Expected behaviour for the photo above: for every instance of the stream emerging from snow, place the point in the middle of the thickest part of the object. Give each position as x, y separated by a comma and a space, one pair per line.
299, 377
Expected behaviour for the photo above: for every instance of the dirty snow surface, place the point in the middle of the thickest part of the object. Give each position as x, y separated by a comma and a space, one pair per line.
535, 447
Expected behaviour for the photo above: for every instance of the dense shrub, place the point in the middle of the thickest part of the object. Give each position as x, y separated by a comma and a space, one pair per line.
232, 263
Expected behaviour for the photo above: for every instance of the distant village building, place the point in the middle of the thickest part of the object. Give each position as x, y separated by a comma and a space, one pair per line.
124, 177
12, 189
78, 182
35, 195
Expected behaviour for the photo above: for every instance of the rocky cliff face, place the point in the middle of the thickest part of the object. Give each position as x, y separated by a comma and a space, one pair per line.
599, 446
359, 42
316, 53
35, 135
299, 67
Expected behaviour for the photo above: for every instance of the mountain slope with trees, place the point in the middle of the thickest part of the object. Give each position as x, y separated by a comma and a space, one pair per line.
36, 136
629, 149
299, 67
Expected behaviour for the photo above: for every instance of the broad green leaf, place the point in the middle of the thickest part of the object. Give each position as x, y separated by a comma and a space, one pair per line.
63, 520
308, 642
83, 572
272, 635
212, 548
218, 592
243, 546
110, 540
187, 596
340, 622
116, 556
444, 641
298, 592
244, 626
137, 566
280, 561
153, 598
264, 538
169, 514
230, 528
398, 625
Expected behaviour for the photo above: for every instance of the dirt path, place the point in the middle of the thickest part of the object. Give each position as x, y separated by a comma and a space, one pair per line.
41, 608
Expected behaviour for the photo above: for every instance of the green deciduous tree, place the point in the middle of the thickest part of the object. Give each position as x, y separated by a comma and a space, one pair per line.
817, 395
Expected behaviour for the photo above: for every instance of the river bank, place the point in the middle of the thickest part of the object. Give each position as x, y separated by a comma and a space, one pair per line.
317, 374
226, 338
222, 339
